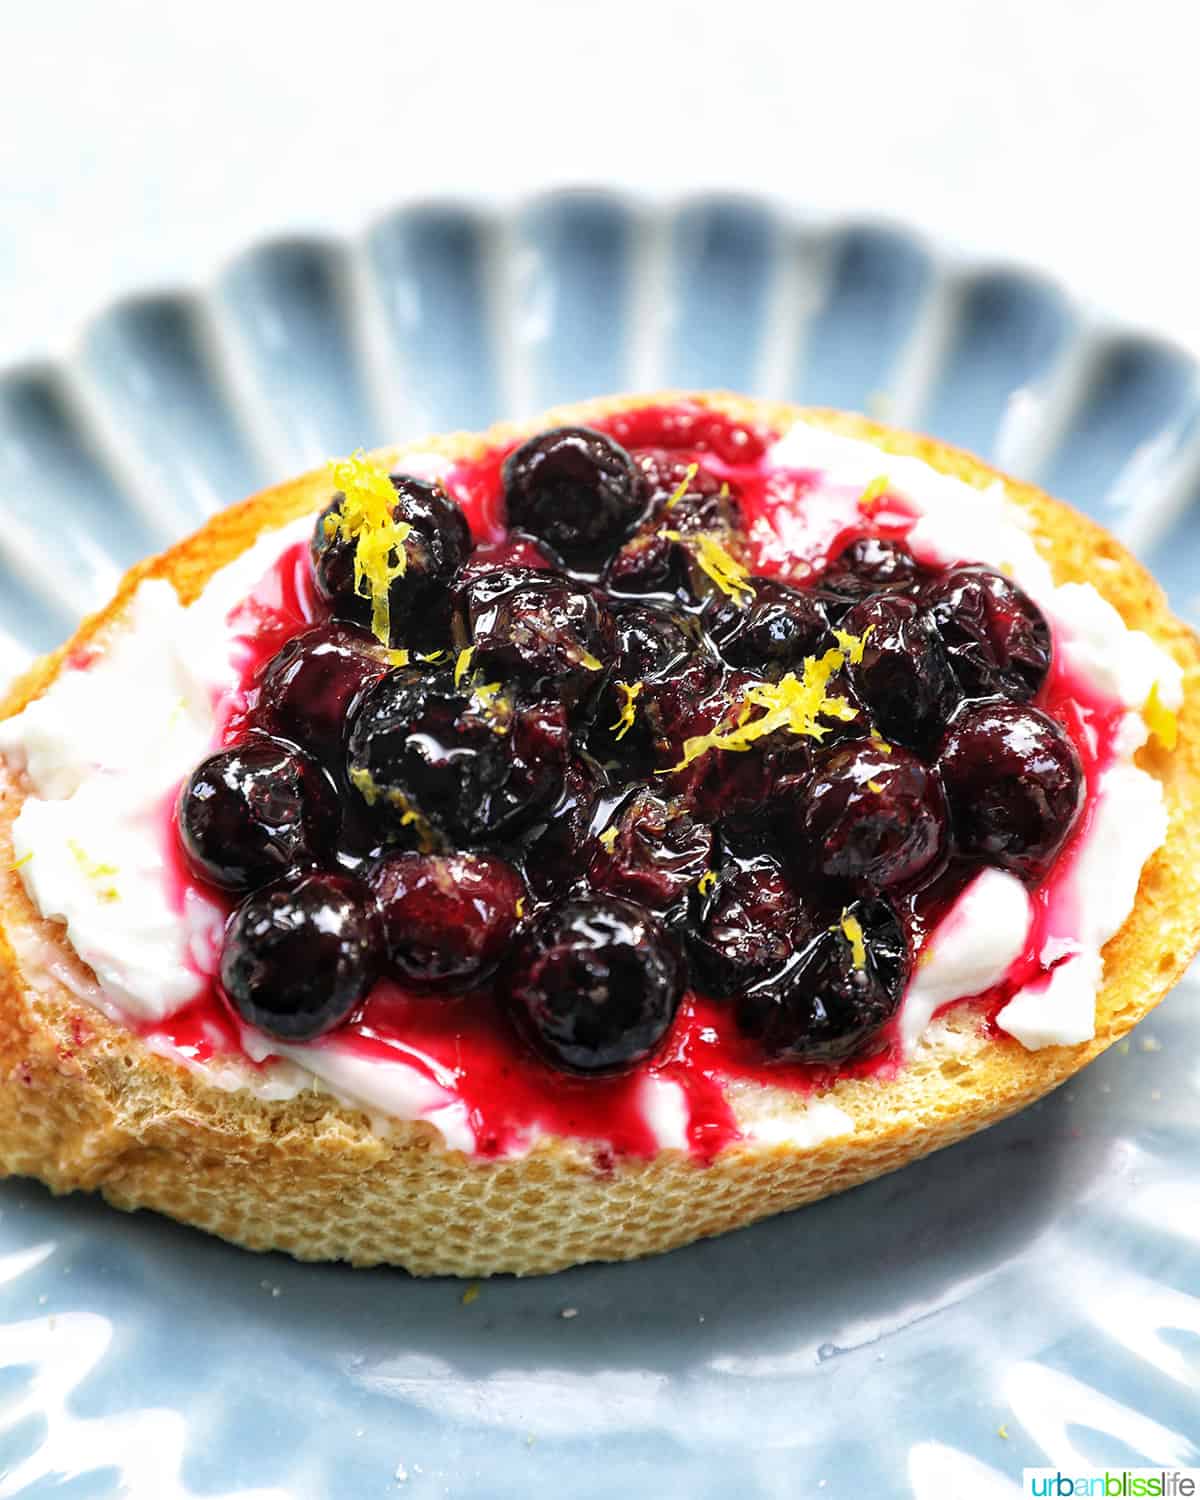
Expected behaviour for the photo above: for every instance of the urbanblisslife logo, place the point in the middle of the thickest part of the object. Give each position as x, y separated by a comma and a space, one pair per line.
1117, 1484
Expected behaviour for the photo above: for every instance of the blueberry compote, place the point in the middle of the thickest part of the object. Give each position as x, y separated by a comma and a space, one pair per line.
556, 779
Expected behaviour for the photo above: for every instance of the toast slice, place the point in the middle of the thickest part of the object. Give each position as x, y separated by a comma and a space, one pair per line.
84, 1104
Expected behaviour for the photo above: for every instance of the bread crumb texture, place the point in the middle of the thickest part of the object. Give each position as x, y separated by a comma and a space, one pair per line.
85, 1105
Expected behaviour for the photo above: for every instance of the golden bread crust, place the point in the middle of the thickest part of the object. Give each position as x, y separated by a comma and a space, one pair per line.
84, 1104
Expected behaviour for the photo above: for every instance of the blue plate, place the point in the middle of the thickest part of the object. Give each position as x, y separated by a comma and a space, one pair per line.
1030, 1297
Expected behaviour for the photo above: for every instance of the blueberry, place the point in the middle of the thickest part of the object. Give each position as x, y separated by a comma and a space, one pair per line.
557, 855
652, 851
594, 984
903, 677
436, 546
425, 754
255, 812
749, 927
308, 689
534, 628
997, 638
447, 918
843, 989
298, 959
867, 565
1015, 785
872, 818
574, 489
773, 632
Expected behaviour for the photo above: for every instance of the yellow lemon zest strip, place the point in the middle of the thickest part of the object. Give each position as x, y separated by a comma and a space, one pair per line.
470, 1294
462, 664
683, 486
853, 645
853, 933
879, 742
712, 558
796, 704
706, 882
520, 907
628, 712
875, 786
609, 838
24, 860
95, 871
873, 493
430, 655
398, 658
365, 517
592, 663
1160, 720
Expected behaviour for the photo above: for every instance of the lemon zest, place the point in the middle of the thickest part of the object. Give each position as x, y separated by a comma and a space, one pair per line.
853, 645
592, 663
24, 860
873, 493
398, 657
462, 664
95, 871
609, 838
470, 1294
1160, 720
496, 708
410, 816
879, 742
430, 655
852, 931
714, 559
520, 906
796, 704
1002, 1431
366, 518
683, 486
706, 882
875, 786
628, 711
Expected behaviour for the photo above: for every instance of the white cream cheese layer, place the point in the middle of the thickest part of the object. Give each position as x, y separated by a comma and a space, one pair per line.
107, 745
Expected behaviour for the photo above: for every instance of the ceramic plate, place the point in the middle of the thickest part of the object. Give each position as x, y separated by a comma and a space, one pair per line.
1030, 1297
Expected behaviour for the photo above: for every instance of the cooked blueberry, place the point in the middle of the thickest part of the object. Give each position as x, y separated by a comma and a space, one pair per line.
773, 632
298, 959
652, 851
424, 753
903, 675
447, 918
574, 489
871, 818
680, 493
557, 856
649, 644
310, 686
436, 545
868, 565
1015, 785
750, 926
594, 985
997, 638
674, 560
534, 628
845, 987
255, 812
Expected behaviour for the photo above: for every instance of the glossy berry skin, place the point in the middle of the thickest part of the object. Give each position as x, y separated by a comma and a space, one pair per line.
827, 1007
773, 633
748, 929
871, 819
657, 855
447, 918
903, 678
997, 639
419, 745
536, 629
1015, 785
252, 813
558, 853
308, 689
594, 984
297, 959
649, 643
437, 545
574, 489
867, 565
681, 499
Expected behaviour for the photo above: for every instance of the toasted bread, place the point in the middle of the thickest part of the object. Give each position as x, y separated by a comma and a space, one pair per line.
85, 1105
